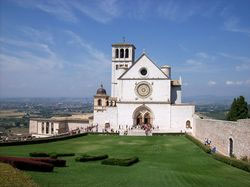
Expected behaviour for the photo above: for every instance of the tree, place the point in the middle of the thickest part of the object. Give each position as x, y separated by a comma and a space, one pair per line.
239, 109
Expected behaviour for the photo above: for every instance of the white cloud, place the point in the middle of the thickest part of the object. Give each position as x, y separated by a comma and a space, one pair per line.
185, 84
38, 35
97, 55
31, 56
248, 82
237, 83
37, 65
100, 10
242, 67
211, 83
202, 55
243, 60
175, 10
198, 63
232, 24
183, 48
193, 62
229, 82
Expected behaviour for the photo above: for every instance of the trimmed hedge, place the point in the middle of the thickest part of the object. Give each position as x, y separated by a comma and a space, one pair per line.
198, 143
27, 164
167, 134
65, 154
86, 158
104, 133
120, 161
55, 162
228, 160
43, 140
232, 161
52, 155
39, 154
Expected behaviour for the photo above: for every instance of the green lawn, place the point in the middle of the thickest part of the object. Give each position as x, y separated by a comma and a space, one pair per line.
164, 161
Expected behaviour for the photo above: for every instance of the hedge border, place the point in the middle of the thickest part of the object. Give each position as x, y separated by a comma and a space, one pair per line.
198, 143
28, 164
54, 162
42, 140
120, 161
86, 158
51, 155
104, 133
222, 158
232, 161
168, 134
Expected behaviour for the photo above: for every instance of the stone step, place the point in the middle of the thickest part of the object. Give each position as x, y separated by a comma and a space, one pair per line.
138, 132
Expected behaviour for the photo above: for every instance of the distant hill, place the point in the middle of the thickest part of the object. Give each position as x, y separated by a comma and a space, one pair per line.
211, 100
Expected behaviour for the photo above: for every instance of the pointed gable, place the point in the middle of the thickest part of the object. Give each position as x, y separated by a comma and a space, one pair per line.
137, 70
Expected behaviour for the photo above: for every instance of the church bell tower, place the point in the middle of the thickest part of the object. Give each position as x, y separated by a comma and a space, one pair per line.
123, 55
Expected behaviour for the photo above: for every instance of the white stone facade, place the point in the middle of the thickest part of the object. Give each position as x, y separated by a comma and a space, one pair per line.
51, 127
141, 94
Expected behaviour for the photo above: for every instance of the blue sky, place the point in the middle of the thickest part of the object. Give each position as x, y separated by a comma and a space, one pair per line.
63, 48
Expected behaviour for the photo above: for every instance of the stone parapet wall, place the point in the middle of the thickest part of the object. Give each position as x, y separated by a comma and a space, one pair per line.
219, 132
33, 127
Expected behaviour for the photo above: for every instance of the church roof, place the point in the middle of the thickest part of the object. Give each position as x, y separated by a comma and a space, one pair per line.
143, 54
101, 91
175, 83
123, 44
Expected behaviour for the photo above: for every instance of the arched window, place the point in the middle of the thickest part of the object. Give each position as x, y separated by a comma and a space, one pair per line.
231, 146
122, 53
99, 102
126, 53
107, 103
47, 127
52, 128
107, 125
146, 118
42, 127
117, 53
188, 124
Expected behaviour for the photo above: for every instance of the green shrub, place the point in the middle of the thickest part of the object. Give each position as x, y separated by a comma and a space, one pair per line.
39, 154
65, 154
232, 161
198, 143
51, 155
55, 162
43, 140
167, 134
244, 158
121, 162
28, 164
86, 158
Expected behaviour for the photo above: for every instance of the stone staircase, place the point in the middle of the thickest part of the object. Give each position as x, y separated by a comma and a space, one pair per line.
138, 132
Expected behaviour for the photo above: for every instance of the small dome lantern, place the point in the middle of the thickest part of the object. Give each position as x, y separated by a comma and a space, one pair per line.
101, 91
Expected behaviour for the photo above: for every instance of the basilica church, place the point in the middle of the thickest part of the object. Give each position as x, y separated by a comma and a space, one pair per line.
143, 97
145, 100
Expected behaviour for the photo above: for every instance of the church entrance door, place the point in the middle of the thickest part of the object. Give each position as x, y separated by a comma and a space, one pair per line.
139, 119
143, 116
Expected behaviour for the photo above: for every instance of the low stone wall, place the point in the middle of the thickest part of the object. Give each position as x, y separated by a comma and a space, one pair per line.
219, 132
43, 140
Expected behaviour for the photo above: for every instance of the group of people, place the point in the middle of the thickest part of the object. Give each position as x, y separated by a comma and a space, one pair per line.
208, 143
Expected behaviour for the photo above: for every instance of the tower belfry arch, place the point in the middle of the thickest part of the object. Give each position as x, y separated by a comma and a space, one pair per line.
123, 56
